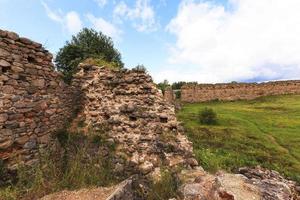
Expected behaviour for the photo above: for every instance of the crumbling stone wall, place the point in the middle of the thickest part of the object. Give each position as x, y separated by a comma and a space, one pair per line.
141, 123
169, 95
34, 101
237, 91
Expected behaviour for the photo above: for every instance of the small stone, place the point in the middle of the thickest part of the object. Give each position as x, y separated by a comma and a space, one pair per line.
5, 132
12, 35
44, 139
146, 167
25, 40
22, 140
3, 117
38, 83
6, 144
3, 77
192, 162
31, 144
4, 52
192, 191
17, 69
4, 63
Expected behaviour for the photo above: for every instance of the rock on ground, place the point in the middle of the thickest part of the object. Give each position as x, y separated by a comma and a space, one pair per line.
123, 191
251, 184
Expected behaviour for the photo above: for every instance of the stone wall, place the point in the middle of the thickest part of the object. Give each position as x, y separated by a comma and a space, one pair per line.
141, 123
34, 101
237, 91
169, 95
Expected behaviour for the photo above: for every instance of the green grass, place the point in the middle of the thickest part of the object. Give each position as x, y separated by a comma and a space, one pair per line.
262, 132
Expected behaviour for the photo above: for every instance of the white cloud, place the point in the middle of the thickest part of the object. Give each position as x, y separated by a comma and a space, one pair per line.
253, 39
105, 27
142, 15
71, 20
101, 3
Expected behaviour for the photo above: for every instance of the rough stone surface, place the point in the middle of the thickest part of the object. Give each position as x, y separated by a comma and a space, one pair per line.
169, 95
122, 191
251, 184
31, 109
142, 124
237, 91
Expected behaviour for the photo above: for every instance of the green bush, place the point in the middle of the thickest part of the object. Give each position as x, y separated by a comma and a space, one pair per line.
208, 116
177, 94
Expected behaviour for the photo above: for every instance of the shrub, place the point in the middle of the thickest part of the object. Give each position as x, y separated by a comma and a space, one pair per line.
140, 68
177, 94
208, 116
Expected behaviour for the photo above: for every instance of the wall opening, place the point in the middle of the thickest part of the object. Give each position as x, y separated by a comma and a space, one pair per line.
5, 69
132, 118
163, 119
31, 60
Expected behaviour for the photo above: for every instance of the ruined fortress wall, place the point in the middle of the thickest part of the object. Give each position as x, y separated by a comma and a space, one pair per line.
169, 95
237, 91
141, 123
34, 101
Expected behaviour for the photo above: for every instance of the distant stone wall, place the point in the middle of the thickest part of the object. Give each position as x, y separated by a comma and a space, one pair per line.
141, 123
237, 91
169, 95
34, 101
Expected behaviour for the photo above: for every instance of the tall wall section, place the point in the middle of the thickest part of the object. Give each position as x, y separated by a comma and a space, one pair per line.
141, 123
34, 101
237, 91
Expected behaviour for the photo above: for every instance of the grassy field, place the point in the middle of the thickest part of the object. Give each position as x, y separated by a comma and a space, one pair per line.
262, 132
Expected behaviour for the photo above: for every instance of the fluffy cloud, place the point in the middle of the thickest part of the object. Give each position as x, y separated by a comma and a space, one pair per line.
250, 40
105, 27
142, 15
101, 3
71, 20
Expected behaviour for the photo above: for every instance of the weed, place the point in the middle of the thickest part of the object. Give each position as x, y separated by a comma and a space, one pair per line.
79, 164
165, 188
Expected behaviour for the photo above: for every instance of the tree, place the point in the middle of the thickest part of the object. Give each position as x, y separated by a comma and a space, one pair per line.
163, 85
88, 43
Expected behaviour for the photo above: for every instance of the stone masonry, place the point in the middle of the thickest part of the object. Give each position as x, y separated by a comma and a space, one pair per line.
237, 91
142, 123
169, 95
34, 101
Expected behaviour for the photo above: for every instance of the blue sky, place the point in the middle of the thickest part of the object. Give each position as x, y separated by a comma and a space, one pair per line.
191, 40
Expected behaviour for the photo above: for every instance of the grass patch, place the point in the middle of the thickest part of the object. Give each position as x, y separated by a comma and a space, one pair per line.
165, 188
79, 164
262, 132
100, 62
